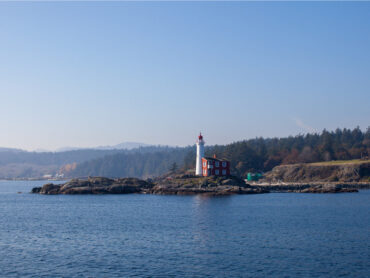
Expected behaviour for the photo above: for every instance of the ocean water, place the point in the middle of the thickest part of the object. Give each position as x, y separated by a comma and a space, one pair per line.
269, 235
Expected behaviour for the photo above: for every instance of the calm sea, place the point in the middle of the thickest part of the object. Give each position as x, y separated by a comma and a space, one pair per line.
269, 235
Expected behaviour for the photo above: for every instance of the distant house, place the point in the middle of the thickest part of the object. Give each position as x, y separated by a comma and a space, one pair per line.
212, 166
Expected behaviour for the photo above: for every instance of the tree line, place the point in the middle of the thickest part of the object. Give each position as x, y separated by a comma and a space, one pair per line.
133, 164
261, 155
253, 155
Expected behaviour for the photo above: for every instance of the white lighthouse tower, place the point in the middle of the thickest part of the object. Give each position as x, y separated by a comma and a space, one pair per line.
200, 155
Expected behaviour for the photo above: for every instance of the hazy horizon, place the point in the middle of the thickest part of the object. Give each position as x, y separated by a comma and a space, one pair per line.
94, 74
142, 144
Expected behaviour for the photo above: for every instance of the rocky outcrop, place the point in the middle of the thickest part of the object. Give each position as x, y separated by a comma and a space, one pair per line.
50, 188
215, 186
189, 185
315, 187
320, 172
96, 185
174, 185
36, 190
328, 189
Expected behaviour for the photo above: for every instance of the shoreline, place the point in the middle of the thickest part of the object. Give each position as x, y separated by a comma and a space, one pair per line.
306, 186
191, 185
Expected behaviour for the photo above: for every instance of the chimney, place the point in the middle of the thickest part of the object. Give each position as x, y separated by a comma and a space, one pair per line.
214, 156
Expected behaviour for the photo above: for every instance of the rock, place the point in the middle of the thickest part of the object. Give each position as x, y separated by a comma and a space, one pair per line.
124, 189
75, 183
227, 181
134, 182
96, 185
36, 190
328, 189
233, 182
204, 184
100, 181
78, 190
210, 186
50, 188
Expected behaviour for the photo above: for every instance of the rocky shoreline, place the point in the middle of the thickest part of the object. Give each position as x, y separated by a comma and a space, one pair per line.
313, 187
178, 185
188, 185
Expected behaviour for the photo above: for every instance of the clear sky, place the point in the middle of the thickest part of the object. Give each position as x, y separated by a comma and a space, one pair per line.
88, 73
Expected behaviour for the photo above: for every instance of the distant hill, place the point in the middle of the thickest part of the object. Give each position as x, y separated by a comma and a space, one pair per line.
121, 146
16, 163
23, 164
10, 150
144, 164
124, 146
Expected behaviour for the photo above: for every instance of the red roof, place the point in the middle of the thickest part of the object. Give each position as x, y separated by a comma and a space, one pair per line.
215, 159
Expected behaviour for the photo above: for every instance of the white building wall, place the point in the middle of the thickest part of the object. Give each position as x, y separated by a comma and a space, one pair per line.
200, 155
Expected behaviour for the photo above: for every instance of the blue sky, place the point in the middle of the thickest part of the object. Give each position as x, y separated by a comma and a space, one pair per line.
89, 73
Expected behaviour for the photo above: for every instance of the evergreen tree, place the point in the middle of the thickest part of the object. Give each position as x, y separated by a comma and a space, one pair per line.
173, 168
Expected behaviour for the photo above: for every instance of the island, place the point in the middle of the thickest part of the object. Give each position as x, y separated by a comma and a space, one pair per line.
189, 185
171, 185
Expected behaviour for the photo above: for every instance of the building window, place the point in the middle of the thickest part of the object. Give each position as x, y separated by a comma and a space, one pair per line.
224, 164
217, 164
224, 172
205, 172
204, 164
217, 172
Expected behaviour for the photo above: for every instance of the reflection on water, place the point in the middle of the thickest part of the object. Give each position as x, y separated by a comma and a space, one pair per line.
206, 225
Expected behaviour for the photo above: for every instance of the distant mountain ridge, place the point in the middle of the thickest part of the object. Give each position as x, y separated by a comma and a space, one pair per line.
121, 146
11, 150
16, 163
124, 146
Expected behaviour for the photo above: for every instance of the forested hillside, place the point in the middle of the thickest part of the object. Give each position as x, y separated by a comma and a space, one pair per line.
263, 154
133, 164
250, 155
16, 163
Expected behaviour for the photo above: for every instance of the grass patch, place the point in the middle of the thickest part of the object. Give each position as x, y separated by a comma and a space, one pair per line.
339, 162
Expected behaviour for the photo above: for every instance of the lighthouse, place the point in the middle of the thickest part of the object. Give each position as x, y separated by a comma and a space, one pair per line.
200, 155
